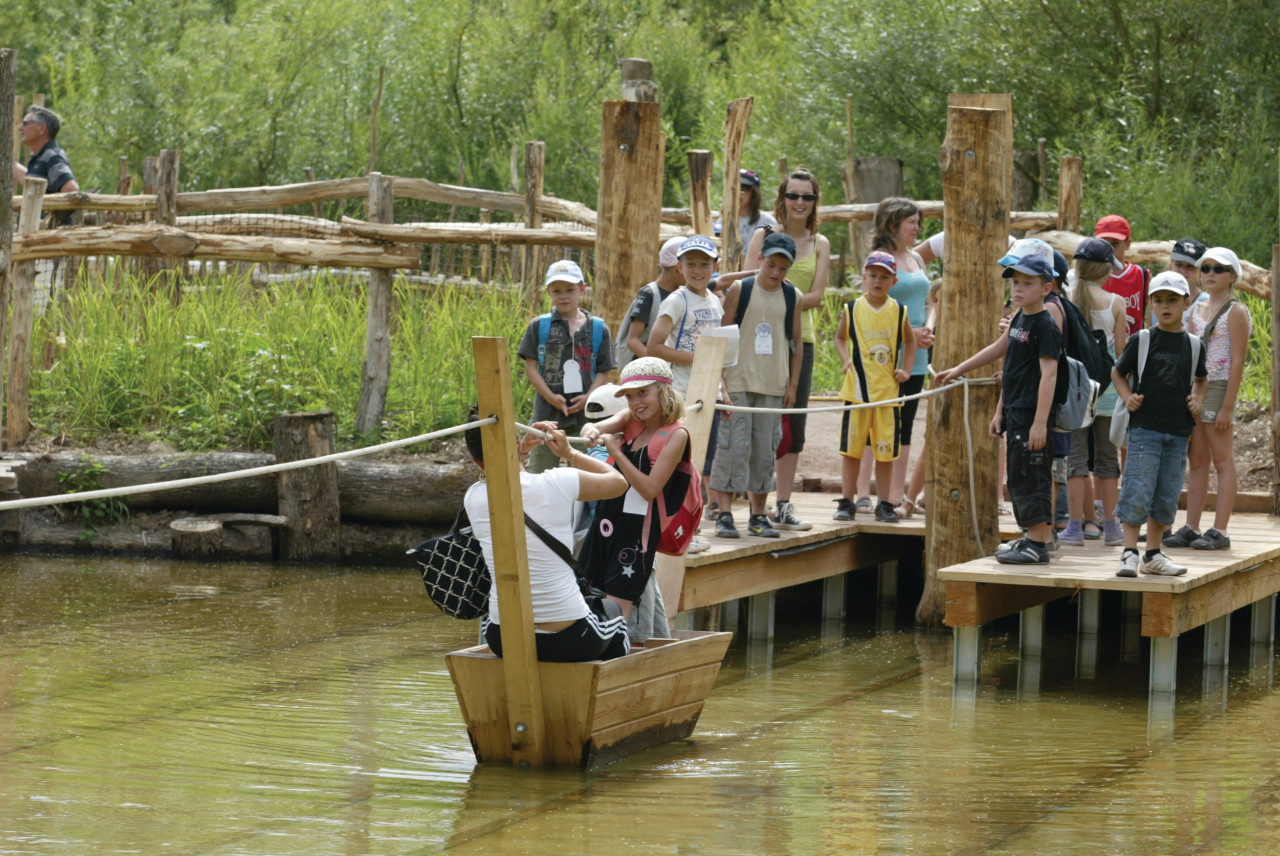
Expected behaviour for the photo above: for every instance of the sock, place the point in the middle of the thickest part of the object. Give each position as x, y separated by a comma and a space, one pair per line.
1039, 544
1146, 557
1221, 532
1133, 550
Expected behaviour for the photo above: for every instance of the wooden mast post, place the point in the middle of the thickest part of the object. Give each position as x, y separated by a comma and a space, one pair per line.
735, 134
510, 553
375, 377
700, 191
975, 177
704, 383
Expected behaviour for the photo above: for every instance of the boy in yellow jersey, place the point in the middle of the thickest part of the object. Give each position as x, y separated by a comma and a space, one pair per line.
880, 333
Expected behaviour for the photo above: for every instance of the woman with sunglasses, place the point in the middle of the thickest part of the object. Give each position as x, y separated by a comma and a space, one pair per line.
749, 207
796, 209
1225, 326
896, 225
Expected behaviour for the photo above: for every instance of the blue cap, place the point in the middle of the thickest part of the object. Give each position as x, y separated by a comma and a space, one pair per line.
699, 243
1097, 250
778, 244
1061, 267
1034, 265
1027, 247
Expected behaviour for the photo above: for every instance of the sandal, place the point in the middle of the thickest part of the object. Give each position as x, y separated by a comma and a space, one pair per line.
1005, 510
907, 508
1092, 531
865, 505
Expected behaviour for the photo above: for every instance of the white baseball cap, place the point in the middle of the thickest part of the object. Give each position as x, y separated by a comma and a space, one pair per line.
565, 270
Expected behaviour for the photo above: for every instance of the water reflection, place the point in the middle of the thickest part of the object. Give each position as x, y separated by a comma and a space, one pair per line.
252, 709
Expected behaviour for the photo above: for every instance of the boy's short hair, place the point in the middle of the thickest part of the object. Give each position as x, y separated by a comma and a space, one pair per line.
1112, 226
565, 270
698, 244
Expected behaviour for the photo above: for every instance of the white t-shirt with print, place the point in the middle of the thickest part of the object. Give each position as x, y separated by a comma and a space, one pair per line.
690, 315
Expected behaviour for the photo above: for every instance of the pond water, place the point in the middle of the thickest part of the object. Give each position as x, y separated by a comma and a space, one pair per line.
156, 707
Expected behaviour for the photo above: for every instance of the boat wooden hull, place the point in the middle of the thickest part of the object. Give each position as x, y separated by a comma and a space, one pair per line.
599, 711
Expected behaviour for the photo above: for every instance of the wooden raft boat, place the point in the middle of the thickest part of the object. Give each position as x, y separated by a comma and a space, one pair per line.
522, 711
600, 711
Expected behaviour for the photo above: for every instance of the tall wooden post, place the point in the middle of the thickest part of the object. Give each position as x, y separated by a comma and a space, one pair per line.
308, 496
167, 211
632, 152
23, 299
535, 168
510, 554
735, 134
974, 159
1070, 193
376, 373
1275, 379
700, 191
8, 126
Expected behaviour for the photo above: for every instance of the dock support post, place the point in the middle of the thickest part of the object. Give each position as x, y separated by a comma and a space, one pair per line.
729, 615
967, 654
760, 612
833, 598
1262, 633
887, 596
1131, 627
1087, 634
1031, 631
1217, 657
1164, 665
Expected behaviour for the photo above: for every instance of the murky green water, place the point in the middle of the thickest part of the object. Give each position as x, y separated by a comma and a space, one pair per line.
152, 707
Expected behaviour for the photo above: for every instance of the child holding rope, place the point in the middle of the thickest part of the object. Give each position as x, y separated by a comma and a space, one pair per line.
880, 331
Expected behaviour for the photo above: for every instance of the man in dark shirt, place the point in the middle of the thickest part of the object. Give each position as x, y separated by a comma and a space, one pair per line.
39, 131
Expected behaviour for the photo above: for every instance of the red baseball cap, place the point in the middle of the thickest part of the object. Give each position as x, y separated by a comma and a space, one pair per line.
1112, 226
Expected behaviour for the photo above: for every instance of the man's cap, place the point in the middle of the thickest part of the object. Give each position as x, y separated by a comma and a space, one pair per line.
1223, 256
1027, 247
700, 244
1112, 226
1033, 265
603, 402
667, 256
1170, 281
1061, 267
882, 259
643, 371
1097, 250
565, 270
748, 178
778, 244
1187, 250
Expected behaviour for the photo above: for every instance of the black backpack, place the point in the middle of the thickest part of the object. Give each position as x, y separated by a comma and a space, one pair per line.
1085, 344
789, 293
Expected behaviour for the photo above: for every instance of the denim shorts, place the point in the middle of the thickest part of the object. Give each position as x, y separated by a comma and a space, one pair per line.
1153, 473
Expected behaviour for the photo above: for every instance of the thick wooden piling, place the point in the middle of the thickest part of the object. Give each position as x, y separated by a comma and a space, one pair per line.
22, 297
308, 495
526, 722
376, 373
700, 191
974, 160
735, 134
632, 150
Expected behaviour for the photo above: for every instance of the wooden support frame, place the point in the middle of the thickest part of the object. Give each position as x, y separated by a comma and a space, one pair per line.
1166, 615
972, 604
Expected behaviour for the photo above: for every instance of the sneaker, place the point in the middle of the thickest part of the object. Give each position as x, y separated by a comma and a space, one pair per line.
1128, 564
712, 512
725, 527
845, 510
1112, 533
885, 512
865, 505
1023, 552
697, 545
1073, 535
785, 518
1182, 538
1161, 565
758, 525
1212, 539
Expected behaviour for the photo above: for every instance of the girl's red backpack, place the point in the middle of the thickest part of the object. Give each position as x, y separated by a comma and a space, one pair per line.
676, 522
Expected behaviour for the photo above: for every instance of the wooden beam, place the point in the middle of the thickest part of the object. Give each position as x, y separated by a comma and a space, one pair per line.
526, 726
632, 148
735, 134
1070, 193
974, 604
700, 191
1168, 614
375, 375
974, 159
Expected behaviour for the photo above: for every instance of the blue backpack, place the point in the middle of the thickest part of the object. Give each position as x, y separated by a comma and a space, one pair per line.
597, 336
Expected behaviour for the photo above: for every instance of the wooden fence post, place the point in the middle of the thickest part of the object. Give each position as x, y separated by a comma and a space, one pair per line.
535, 168
510, 554
735, 133
23, 298
1042, 171
486, 251
308, 497
1070, 193
8, 127
167, 214
974, 159
376, 374
700, 191
632, 150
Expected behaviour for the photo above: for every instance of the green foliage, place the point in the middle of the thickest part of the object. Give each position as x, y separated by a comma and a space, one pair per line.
87, 476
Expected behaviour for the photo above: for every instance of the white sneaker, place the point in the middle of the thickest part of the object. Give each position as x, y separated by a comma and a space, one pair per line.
697, 545
1128, 564
1161, 565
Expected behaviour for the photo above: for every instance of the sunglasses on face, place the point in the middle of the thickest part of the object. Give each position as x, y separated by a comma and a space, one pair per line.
1216, 269
807, 197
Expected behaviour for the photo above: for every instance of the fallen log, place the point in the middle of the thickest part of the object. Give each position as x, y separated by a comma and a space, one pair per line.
155, 240
403, 491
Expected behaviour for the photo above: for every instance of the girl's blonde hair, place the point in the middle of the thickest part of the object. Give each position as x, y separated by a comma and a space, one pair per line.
780, 204
671, 403
1089, 273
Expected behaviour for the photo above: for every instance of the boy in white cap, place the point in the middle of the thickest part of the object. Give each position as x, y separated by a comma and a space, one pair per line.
567, 354
1163, 403
633, 338
690, 310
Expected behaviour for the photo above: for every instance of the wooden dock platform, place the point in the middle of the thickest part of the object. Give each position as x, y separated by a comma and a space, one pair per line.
1216, 584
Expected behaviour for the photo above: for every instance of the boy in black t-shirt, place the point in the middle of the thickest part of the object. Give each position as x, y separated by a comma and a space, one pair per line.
1025, 410
1162, 413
